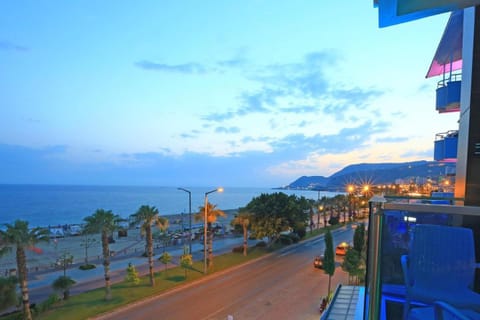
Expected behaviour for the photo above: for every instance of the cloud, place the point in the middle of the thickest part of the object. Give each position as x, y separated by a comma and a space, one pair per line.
350, 99
300, 109
10, 46
308, 78
356, 97
190, 135
306, 82
392, 139
347, 139
227, 130
186, 68
418, 154
29, 165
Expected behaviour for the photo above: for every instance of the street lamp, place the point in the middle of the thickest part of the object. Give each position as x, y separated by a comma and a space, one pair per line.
205, 228
189, 219
320, 212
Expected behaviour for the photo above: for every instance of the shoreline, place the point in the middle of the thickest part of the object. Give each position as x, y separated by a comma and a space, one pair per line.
51, 251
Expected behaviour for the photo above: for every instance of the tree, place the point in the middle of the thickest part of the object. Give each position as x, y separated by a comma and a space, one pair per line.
20, 237
356, 262
277, 212
165, 258
64, 261
87, 242
243, 219
359, 238
212, 215
132, 274
329, 260
105, 222
149, 216
63, 283
351, 263
186, 262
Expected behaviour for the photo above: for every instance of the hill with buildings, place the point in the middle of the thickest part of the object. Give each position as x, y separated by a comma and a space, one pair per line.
378, 173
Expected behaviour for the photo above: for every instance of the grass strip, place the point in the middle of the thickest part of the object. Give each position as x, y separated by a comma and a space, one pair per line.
90, 304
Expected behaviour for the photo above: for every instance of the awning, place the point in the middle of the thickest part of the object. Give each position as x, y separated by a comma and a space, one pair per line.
448, 56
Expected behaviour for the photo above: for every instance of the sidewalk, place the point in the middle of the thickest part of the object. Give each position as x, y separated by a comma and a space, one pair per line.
119, 263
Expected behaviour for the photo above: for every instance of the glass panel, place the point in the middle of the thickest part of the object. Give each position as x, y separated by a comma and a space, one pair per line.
399, 224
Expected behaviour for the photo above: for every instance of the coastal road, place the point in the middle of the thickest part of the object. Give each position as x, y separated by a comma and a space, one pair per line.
283, 285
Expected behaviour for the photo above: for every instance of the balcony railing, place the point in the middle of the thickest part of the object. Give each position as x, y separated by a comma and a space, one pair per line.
446, 146
393, 226
448, 94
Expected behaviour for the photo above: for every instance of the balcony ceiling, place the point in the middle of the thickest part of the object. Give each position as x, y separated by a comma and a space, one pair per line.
391, 12
448, 56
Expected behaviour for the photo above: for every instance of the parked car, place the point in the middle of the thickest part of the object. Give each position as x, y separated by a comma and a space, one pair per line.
318, 262
342, 248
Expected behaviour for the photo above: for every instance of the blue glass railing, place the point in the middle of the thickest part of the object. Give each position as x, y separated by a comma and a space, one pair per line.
448, 94
391, 230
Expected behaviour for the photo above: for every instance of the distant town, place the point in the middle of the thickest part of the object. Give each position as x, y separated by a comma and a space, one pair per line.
416, 178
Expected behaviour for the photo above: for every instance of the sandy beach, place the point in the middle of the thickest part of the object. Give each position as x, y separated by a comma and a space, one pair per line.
132, 243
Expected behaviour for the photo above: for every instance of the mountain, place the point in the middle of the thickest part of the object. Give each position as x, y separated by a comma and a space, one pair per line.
375, 173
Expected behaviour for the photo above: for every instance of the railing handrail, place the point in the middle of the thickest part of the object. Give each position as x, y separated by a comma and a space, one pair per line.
437, 208
453, 78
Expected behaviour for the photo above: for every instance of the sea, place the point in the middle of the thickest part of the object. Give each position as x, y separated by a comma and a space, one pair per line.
52, 205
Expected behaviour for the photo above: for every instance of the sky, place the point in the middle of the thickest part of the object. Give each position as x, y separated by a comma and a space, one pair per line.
210, 93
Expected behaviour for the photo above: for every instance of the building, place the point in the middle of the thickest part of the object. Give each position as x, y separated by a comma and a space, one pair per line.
395, 260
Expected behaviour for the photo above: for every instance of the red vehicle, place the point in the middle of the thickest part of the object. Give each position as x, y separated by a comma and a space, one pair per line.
342, 248
318, 262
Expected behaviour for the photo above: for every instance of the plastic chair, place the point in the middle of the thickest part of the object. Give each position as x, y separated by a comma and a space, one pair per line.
440, 266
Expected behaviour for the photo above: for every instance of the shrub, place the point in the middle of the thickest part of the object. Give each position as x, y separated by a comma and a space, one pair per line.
87, 267
47, 304
285, 239
132, 274
8, 296
294, 237
261, 244
333, 221
237, 249
301, 233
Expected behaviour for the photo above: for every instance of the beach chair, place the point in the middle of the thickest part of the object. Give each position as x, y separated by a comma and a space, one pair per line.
440, 266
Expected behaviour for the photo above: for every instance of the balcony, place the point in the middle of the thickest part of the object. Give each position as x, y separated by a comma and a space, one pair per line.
392, 229
448, 94
445, 148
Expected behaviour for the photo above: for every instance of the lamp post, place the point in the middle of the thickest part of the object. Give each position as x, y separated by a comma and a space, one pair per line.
205, 228
374, 266
189, 219
350, 190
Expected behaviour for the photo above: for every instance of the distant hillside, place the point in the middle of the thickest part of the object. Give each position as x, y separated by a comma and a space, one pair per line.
374, 173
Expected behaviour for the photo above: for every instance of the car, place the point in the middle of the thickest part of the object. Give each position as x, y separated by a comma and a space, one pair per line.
318, 262
342, 248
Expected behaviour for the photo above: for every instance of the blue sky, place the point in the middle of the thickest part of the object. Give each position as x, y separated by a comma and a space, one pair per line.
206, 93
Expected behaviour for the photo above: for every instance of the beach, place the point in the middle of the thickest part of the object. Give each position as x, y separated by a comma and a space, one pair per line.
47, 256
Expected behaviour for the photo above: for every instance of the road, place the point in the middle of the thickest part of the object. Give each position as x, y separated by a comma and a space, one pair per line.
283, 285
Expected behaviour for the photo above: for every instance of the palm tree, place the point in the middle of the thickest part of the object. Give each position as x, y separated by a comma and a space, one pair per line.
148, 216
212, 214
243, 219
105, 222
20, 237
